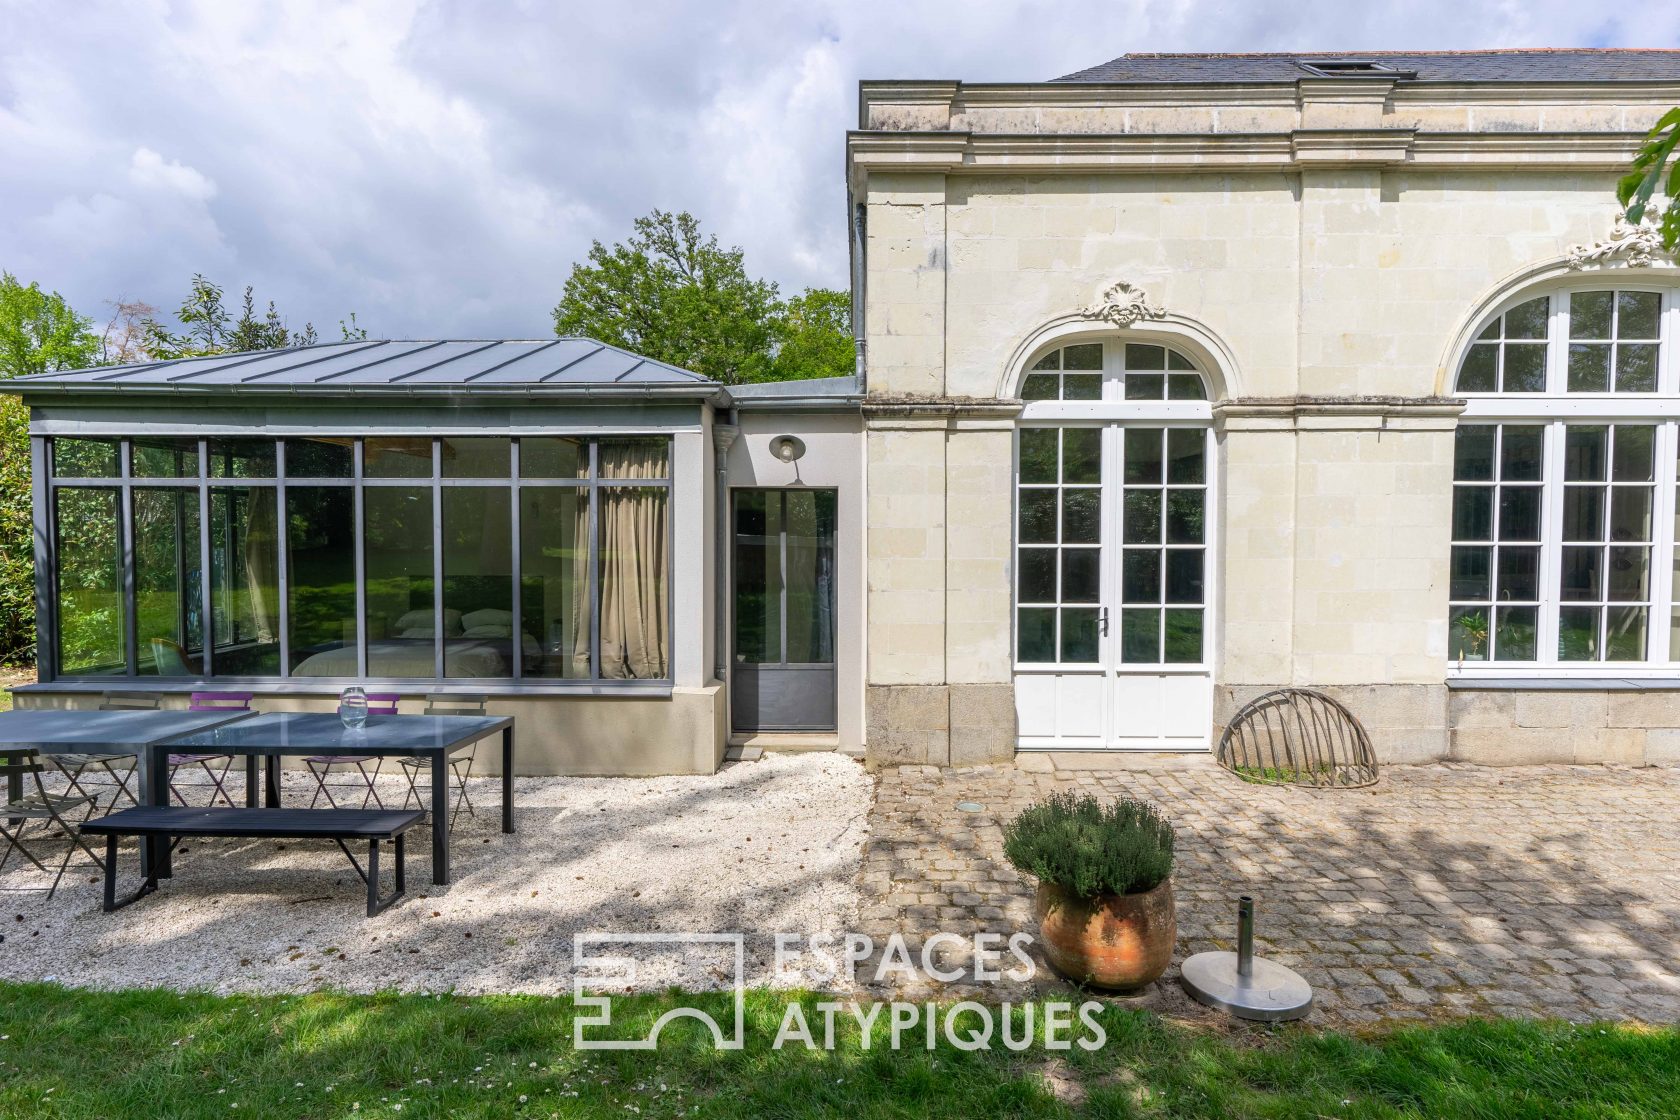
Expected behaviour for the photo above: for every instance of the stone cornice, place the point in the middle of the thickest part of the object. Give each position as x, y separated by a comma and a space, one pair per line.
1336, 412
921, 407
982, 153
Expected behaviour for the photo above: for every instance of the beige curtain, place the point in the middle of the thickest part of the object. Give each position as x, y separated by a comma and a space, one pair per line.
260, 545
634, 562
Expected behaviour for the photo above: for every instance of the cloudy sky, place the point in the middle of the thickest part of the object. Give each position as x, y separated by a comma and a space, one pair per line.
438, 166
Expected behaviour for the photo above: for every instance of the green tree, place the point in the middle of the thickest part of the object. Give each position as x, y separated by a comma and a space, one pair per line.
39, 332
677, 296
210, 328
816, 336
1637, 188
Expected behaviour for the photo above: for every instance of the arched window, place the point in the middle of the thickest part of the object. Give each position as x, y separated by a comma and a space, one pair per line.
1564, 478
1131, 371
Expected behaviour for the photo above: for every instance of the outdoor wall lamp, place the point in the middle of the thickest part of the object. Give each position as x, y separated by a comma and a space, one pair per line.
789, 449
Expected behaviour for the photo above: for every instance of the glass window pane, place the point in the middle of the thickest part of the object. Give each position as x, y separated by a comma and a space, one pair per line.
1175, 360
1635, 453
1087, 355
1038, 454
1184, 575
1584, 448
1582, 577
1146, 386
1186, 387
397, 457
1186, 455
1583, 513
1578, 634
1525, 367
635, 553
479, 632
1081, 386
1624, 636
1473, 453
648, 457
168, 584
1052, 360
1637, 314
1472, 515
553, 578
810, 516
1041, 387
1519, 513
1143, 356
476, 457
1520, 453
1527, 320
1589, 367
1143, 455
1636, 368
320, 458
401, 624
1140, 579
1036, 634
1038, 517
1467, 638
1630, 513
1516, 633
1140, 635
164, 457
1184, 637
1491, 331
1082, 455
1471, 573
547, 457
1629, 571
1478, 373
244, 581
1185, 521
91, 618
242, 458
85, 458
1519, 574
1081, 516
1080, 568
1142, 517
1589, 315
1079, 634
321, 576
1036, 575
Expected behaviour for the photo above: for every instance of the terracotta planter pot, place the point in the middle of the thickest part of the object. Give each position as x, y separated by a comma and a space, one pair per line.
1113, 941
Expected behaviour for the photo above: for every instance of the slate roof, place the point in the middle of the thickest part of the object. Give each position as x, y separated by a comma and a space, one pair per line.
1525, 65
447, 366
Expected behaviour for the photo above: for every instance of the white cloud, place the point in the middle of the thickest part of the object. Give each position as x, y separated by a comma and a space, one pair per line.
438, 166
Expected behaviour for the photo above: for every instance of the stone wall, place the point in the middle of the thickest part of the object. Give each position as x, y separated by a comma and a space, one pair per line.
1505, 727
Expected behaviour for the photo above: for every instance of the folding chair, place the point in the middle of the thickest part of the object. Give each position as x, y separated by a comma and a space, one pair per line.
460, 765
48, 808
118, 767
320, 765
210, 702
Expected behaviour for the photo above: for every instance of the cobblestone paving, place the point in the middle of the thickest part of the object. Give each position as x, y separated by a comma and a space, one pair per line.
1443, 891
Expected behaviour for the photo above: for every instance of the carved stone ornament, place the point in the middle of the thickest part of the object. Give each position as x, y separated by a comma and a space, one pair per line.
1635, 244
1123, 304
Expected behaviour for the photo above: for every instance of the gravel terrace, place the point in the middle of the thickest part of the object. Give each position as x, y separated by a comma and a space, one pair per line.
761, 848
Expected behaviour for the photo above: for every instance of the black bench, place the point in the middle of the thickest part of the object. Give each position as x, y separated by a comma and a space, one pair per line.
337, 825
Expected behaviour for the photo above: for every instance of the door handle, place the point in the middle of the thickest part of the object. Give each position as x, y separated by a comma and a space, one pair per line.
1102, 620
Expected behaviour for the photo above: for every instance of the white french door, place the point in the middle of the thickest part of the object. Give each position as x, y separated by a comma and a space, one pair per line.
1113, 577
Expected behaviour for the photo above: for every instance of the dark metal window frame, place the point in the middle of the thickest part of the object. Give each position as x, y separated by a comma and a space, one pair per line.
48, 484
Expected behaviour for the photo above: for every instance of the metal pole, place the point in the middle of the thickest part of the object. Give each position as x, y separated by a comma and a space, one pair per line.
1245, 936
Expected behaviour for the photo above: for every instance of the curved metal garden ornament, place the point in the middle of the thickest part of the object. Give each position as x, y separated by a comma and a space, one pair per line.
1295, 736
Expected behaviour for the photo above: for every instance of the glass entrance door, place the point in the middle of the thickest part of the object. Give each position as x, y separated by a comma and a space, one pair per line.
783, 671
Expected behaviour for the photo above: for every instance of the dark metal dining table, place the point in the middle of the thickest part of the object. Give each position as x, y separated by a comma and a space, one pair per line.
72, 731
273, 734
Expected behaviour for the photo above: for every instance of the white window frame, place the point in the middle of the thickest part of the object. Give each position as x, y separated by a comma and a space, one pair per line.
1557, 408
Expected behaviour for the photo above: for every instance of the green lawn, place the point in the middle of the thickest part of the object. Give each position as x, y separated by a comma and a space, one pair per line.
68, 1053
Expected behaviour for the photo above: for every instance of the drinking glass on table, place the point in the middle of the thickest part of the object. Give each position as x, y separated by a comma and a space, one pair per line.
353, 708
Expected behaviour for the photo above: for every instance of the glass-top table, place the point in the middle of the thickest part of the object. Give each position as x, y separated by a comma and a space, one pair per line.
272, 734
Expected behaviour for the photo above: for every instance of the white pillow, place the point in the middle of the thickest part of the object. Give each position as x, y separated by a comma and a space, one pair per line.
489, 630
489, 616
422, 620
